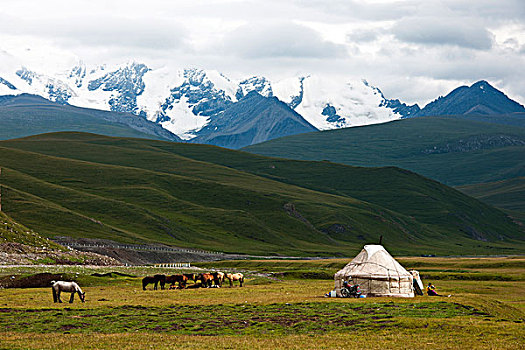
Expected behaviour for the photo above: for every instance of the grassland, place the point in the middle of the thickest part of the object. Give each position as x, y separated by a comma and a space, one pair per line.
287, 314
454, 151
131, 190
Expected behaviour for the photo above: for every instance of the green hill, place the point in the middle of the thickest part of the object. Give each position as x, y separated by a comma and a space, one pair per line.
454, 151
507, 194
12, 231
200, 196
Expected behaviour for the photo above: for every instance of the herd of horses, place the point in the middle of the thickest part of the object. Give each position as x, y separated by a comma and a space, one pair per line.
200, 280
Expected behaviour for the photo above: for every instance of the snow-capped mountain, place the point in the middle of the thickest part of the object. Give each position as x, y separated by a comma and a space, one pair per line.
329, 103
253, 119
185, 101
196, 97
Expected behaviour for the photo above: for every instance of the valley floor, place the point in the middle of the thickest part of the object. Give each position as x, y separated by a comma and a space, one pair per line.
273, 310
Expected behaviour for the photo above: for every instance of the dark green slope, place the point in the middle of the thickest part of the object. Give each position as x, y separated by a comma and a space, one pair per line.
454, 151
507, 194
203, 196
25, 115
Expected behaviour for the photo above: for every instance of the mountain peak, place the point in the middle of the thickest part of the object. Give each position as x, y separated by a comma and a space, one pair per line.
479, 98
482, 84
253, 95
253, 119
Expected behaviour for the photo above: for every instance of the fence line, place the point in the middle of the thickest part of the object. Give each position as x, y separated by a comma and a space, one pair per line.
139, 247
174, 265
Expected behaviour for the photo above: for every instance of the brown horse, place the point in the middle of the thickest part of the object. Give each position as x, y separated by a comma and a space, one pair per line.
191, 276
218, 278
154, 280
235, 277
181, 279
160, 279
206, 279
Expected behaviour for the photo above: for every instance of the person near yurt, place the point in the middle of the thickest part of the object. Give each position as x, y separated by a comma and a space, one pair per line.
377, 273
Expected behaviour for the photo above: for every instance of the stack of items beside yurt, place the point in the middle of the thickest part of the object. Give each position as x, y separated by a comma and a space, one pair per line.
377, 273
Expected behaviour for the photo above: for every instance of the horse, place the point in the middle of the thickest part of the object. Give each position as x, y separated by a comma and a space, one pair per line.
69, 287
206, 279
182, 279
191, 276
235, 277
154, 280
161, 279
218, 278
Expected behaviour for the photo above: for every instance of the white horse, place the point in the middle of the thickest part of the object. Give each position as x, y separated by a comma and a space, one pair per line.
68, 287
235, 277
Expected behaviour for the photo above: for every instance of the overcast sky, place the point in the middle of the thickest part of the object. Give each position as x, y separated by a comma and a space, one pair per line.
411, 50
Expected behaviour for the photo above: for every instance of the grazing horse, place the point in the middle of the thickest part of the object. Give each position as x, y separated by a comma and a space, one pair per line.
182, 279
218, 278
192, 276
235, 277
154, 280
68, 287
206, 279
160, 279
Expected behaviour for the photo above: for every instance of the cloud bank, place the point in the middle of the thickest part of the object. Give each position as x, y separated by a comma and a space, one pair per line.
413, 50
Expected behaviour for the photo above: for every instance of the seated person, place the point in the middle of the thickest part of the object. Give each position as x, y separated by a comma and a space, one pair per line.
431, 290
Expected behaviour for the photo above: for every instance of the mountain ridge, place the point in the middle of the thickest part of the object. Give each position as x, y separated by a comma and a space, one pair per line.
25, 114
188, 101
185, 100
480, 98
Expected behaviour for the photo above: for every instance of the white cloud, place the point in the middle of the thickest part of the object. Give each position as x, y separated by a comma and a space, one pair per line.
443, 31
413, 50
271, 39
101, 30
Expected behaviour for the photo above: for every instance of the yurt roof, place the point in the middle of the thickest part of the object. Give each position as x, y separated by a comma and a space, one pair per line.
373, 261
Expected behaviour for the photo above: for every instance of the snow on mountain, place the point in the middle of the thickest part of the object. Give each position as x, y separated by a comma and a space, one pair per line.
125, 85
197, 96
6, 87
328, 103
53, 89
184, 101
259, 84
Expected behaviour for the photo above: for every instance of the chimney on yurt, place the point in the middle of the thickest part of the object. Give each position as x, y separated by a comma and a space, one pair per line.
377, 273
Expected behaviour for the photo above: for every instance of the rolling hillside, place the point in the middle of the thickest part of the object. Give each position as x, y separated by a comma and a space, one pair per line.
507, 194
144, 191
452, 150
26, 115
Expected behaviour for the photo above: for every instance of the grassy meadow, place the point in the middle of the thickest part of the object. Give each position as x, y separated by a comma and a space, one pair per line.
275, 308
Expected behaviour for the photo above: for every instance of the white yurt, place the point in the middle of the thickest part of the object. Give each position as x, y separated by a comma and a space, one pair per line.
377, 273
